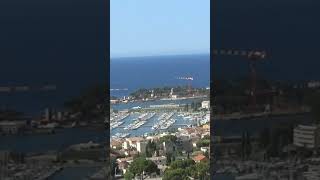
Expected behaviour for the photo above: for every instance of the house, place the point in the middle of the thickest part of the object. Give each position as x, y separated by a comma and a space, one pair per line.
141, 146
123, 166
131, 153
205, 104
153, 138
206, 126
127, 159
131, 142
12, 127
204, 149
116, 144
306, 136
169, 147
123, 163
200, 158
159, 161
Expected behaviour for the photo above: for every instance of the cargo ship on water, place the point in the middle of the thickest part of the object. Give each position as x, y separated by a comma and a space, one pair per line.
141, 120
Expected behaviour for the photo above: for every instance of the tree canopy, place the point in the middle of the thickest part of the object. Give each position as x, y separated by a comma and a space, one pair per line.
183, 169
141, 165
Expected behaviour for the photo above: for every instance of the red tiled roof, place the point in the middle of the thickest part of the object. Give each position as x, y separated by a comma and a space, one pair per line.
199, 157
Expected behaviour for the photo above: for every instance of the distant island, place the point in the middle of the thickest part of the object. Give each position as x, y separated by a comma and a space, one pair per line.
164, 93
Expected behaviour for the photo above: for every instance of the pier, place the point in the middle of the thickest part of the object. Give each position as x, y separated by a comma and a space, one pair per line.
49, 173
152, 125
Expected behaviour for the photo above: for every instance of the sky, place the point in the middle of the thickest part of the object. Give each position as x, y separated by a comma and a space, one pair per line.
159, 27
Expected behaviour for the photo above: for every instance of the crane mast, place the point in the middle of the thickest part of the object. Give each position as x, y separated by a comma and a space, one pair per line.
253, 56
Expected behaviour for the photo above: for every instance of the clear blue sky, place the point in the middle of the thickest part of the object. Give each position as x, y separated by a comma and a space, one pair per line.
159, 27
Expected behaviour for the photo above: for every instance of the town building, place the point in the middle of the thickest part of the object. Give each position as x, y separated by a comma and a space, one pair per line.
141, 146
313, 84
131, 142
205, 149
123, 163
159, 160
168, 146
306, 136
12, 127
116, 144
205, 104
200, 158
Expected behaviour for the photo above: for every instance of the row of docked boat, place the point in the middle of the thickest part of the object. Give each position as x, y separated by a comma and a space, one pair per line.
116, 124
201, 118
120, 135
116, 120
164, 121
119, 117
141, 120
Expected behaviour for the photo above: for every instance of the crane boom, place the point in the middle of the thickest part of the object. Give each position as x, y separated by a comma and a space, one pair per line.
252, 56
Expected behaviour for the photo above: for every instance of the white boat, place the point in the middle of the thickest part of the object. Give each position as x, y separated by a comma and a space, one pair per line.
141, 120
164, 121
252, 176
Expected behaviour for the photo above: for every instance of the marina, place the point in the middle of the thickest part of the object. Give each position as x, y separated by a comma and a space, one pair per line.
141, 124
141, 120
116, 119
164, 121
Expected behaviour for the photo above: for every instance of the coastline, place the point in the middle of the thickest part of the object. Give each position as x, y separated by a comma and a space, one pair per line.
252, 116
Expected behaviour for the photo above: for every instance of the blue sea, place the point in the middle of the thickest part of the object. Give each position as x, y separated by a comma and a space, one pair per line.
158, 71
60, 42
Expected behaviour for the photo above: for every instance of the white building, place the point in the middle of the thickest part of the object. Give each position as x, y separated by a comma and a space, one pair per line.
205, 104
306, 136
313, 84
47, 114
132, 142
204, 149
141, 146
12, 127
159, 161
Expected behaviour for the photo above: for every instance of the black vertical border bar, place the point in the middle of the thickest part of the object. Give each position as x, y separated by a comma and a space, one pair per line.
107, 74
212, 104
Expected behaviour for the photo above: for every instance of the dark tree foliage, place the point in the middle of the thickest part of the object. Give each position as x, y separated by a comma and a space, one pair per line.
91, 103
140, 165
185, 169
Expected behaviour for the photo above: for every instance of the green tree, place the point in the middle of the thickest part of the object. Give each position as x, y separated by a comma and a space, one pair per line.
128, 175
313, 100
141, 165
168, 138
169, 157
151, 147
264, 138
182, 163
175, 174
87, 103
203, 143
202, 170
